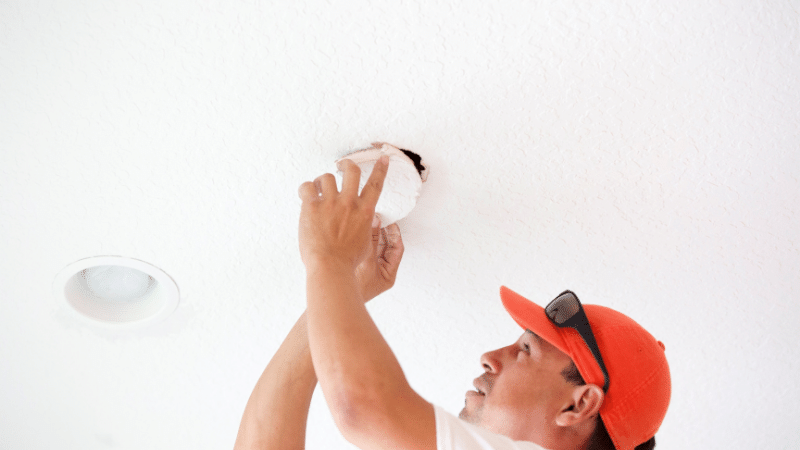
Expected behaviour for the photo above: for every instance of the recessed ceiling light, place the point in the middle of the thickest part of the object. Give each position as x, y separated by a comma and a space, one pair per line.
117, 292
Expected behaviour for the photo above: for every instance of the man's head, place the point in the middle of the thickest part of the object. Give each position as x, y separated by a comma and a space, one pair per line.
528, 392
525, 394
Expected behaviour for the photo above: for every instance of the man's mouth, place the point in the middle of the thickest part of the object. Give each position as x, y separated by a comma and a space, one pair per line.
478, 383
474, 393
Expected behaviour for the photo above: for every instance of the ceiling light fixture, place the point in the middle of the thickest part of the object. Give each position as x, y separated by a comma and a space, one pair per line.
403, 182
117, 292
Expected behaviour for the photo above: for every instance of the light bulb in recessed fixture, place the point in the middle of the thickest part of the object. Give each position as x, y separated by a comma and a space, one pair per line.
117, 283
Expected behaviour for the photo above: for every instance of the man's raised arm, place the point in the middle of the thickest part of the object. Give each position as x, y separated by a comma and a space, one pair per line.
364, 386
276, 413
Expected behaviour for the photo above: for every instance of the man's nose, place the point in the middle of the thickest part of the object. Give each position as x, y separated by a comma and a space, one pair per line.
491, 361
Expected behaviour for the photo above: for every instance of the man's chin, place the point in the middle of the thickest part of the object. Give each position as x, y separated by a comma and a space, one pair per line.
467, 416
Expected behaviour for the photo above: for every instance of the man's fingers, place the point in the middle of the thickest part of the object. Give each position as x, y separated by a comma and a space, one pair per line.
376, 233
327, 184
393, 231
308, 191
351, 177
393, 250
372, 190
394, 236
382, 241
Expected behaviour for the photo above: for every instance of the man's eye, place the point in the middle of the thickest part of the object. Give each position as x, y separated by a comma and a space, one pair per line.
527, 347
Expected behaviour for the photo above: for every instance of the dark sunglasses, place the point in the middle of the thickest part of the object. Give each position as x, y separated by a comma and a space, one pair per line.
566, 311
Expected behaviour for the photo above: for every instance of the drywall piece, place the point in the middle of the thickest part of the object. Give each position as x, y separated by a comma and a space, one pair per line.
403, 182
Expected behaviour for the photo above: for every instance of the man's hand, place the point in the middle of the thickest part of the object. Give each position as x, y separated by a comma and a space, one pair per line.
377, 273
335, 226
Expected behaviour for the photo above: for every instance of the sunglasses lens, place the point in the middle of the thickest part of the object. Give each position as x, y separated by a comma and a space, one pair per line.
563, 308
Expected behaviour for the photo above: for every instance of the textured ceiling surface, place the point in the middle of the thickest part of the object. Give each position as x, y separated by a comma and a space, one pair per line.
646, 156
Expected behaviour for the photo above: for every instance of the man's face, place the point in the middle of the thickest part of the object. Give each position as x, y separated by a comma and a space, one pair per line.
521, 390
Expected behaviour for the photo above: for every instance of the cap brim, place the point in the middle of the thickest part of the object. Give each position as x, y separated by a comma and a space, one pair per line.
531, 316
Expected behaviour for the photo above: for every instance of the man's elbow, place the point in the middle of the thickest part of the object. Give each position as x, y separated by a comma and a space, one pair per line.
357, 414
380, 419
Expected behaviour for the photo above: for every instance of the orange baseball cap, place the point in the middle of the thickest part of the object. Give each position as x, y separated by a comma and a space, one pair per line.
639, 386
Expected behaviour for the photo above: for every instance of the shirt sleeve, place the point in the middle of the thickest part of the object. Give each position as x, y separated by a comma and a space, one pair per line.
453, 433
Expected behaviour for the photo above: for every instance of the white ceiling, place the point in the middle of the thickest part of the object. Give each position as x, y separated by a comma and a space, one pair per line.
644, 155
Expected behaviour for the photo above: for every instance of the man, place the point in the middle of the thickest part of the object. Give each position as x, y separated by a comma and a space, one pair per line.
579, 377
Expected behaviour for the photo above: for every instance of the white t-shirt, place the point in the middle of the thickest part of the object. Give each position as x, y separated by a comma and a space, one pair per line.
453, 433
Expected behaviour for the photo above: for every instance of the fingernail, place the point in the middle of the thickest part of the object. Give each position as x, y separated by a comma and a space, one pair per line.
384, 160
375, 221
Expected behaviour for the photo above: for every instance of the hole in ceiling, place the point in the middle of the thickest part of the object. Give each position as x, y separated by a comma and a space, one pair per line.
416, 159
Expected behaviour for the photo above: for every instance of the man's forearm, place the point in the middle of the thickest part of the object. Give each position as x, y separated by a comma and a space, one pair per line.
276, 413
354, 363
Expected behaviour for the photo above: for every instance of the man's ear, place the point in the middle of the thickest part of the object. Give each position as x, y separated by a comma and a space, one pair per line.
583, 405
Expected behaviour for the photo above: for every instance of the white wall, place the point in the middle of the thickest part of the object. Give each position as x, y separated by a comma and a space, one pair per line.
643, 154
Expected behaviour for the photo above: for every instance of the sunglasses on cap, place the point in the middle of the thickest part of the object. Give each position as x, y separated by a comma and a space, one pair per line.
566, 311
